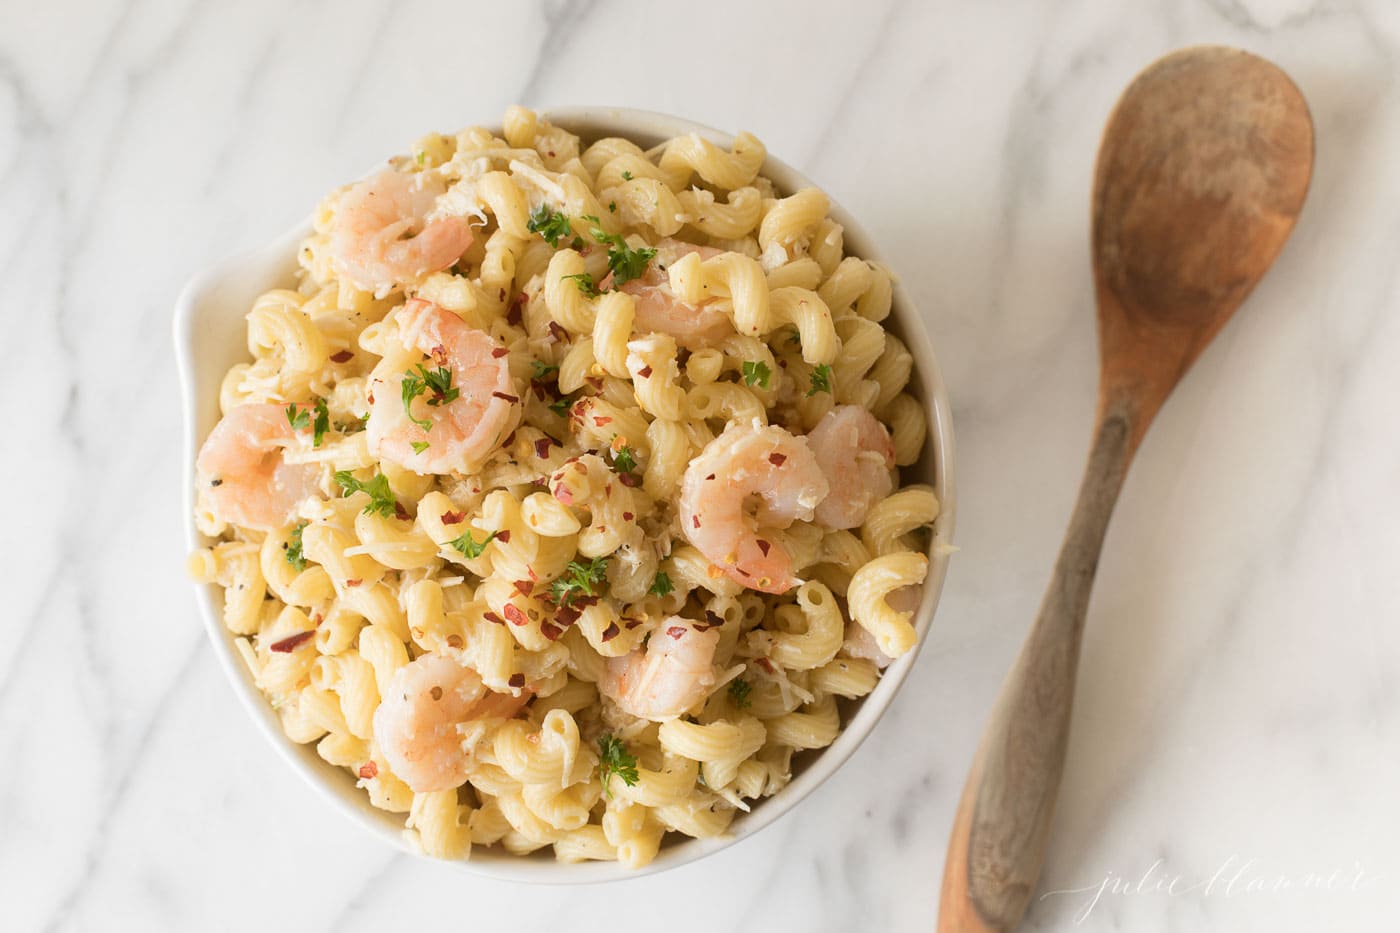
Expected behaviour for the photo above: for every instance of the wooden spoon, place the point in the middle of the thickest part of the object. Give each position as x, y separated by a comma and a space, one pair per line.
1201, 173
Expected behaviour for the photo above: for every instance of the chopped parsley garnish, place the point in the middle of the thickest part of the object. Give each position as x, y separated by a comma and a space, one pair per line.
821, 380
299, 420
580, 579
625, 262
550, 224
756, 373
612, 207
739, 693
626, 176
585, 284
613, 758
661, 585
468, 545
381, 497
294, 555
420, 157
561, 405
317, 417
419, 446
438, 382
625, 460
542, 369
321, 424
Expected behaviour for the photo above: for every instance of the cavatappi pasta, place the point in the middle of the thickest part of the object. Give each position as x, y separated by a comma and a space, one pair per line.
558, 501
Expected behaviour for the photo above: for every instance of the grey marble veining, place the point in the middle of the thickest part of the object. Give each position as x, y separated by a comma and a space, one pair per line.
1236, 731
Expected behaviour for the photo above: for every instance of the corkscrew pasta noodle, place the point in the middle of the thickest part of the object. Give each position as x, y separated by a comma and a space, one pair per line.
482, 500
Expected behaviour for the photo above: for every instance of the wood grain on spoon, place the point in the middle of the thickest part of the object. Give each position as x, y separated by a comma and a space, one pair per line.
1201, 173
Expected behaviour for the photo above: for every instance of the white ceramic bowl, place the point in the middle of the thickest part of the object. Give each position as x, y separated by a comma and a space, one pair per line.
210, 337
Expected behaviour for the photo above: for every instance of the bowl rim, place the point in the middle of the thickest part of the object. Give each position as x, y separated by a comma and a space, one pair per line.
591, 122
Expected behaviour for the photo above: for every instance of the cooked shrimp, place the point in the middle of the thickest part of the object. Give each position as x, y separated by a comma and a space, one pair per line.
463, 430
417, 723
660, 311
383, 234
673, 673
243, 478
744, 461
856, 456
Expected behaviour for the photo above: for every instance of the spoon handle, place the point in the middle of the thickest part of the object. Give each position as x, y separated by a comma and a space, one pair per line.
1002, 824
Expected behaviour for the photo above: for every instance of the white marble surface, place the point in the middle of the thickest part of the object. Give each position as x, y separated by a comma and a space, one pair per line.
1237, 717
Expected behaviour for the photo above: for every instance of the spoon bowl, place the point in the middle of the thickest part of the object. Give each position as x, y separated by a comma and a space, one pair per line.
1202, 171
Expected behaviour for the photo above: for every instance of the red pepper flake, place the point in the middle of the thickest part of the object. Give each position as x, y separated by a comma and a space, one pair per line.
777, 459
611, 632
500, 352
509, 398
510, 439
503, 536
585, 601
343, 356
513, 313
400, 512
439, 355
567, 615
368, 770
370, 396
356, 582
627, 516
454, 640
531, 571
492, 617
542, 448
766, 664
596, 382
513, 614
710, 477
630, 624
714, 618
453, 518
317, 618
290, 643
516, 680
550, 631
501, 295
676, 631
695, 520
764, 546
644, 372
523, 587
601, 420
557, 332
629, 480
